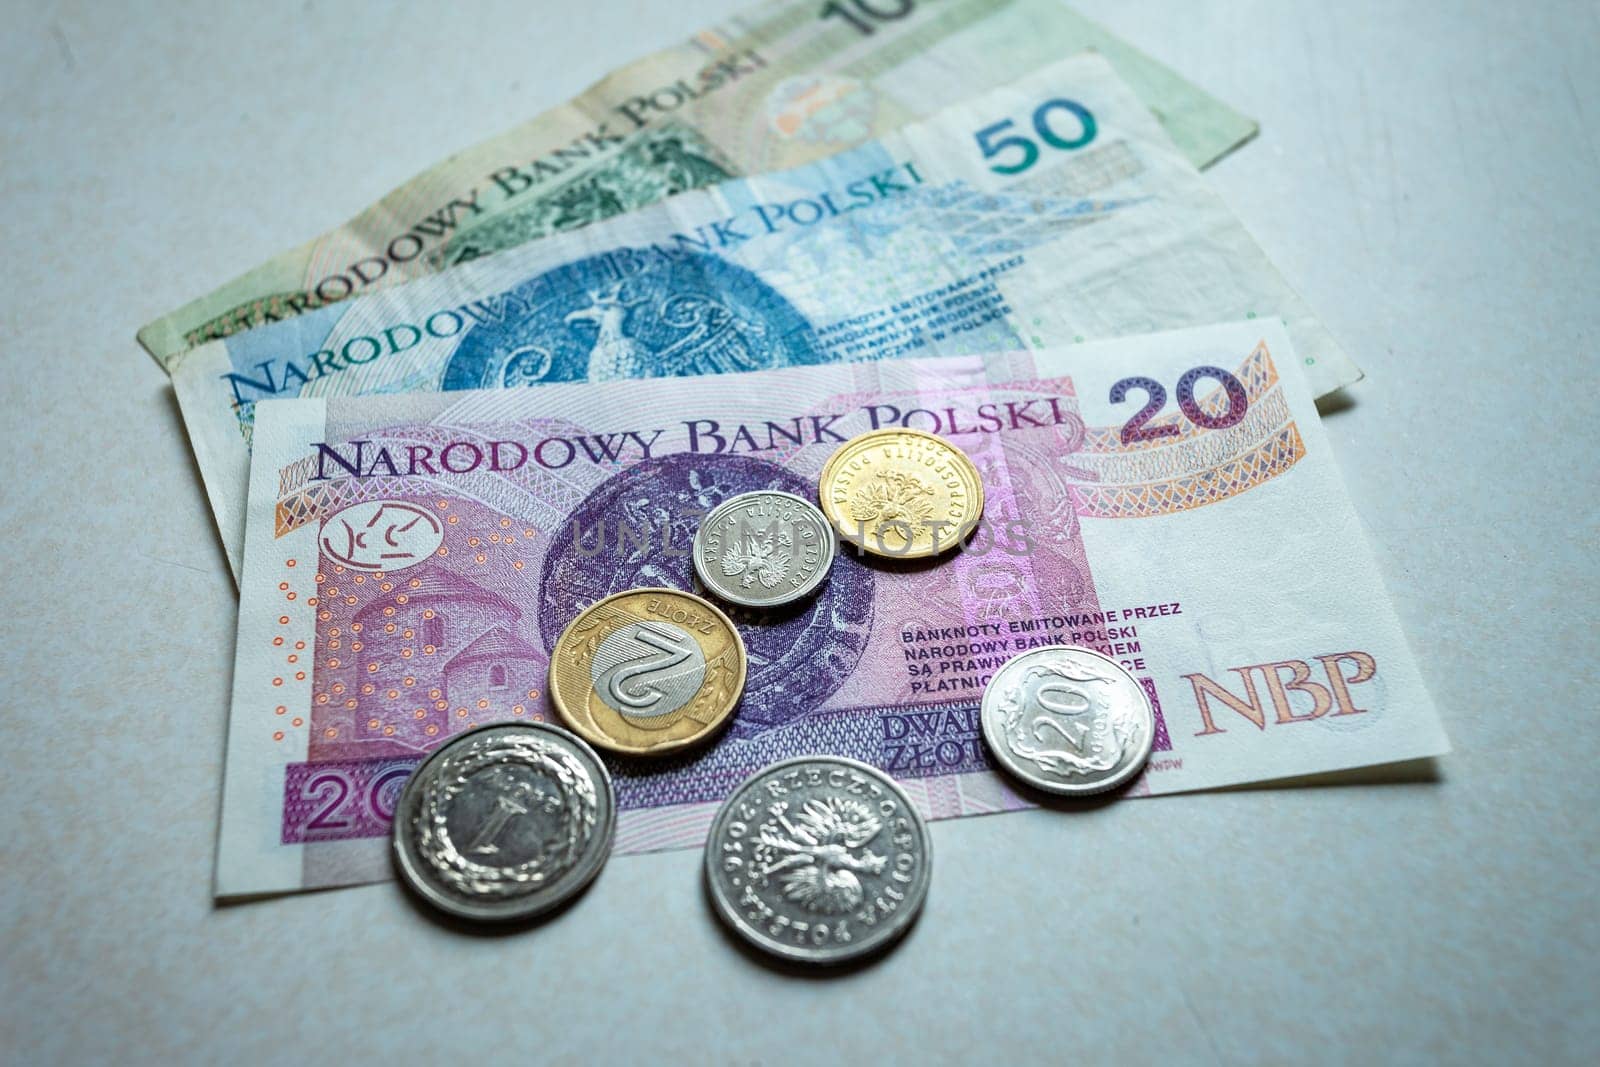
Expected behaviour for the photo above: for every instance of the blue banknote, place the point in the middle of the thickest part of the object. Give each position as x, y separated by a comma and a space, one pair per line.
1052, 211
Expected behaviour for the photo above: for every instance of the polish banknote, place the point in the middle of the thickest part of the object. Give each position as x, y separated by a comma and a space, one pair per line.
782, 85
1053, 210
1170, 500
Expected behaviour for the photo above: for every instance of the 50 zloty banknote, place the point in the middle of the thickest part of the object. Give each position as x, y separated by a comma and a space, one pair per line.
782, 85
1170, 500
1050, 211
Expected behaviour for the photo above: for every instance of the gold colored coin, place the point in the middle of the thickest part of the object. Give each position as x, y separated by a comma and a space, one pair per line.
901, 493
647, 671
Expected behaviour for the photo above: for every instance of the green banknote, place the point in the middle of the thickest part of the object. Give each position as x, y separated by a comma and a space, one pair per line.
780, 86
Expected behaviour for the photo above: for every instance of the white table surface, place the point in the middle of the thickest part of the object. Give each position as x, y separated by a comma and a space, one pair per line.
1426, 175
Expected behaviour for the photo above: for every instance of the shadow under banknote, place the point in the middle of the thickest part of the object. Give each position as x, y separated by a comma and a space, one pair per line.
169, 401
1423, 771
1335, 403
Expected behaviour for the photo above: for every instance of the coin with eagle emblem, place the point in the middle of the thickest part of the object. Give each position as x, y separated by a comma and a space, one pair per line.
647, 671
764, 549
901, 493
819, 859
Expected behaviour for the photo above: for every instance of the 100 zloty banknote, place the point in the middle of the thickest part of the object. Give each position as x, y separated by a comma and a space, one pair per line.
1170, 500
782, 85
1051, 211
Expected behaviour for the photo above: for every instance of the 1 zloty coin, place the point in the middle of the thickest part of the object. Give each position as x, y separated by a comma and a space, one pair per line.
504, 822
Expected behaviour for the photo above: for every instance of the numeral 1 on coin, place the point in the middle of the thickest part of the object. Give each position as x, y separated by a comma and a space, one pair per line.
506, 808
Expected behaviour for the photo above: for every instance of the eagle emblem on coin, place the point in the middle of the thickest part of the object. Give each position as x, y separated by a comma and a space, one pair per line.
817, 855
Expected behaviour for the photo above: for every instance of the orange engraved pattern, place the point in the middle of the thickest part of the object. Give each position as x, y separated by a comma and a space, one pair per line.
323, 498
1268, 460
1193, 454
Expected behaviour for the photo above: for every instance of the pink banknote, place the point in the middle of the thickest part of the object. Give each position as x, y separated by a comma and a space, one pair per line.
1168, 500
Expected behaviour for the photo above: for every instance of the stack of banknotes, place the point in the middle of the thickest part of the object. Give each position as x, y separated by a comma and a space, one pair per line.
559, 349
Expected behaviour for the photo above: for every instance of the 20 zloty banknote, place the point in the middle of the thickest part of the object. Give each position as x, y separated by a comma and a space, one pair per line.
1170, 500
782, 85
1050, 211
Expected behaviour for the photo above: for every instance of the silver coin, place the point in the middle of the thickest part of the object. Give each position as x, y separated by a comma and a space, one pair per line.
764, 549
1068, 720
819, 859
505, 821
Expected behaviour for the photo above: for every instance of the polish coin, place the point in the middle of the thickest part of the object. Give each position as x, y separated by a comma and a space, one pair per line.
647, 671
901, 493
764, 549
504, 822
1067, 720
819, 859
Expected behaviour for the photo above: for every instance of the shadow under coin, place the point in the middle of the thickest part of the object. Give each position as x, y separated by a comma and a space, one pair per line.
794, 969
490, 927
893, 564
776, 615
1060, 802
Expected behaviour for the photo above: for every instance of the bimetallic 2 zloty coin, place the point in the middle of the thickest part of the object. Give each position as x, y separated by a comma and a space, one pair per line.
1068, 720
647, 671
901, 493
504, 822
819, 859
764, 549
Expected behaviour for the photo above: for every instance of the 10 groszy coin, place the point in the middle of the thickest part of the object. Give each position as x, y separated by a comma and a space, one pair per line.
764, 549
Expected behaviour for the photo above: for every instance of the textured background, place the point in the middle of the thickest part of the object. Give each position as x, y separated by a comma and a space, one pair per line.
1426, 174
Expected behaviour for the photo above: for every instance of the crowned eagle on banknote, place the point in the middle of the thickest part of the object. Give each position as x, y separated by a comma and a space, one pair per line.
712, 336
818, 856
